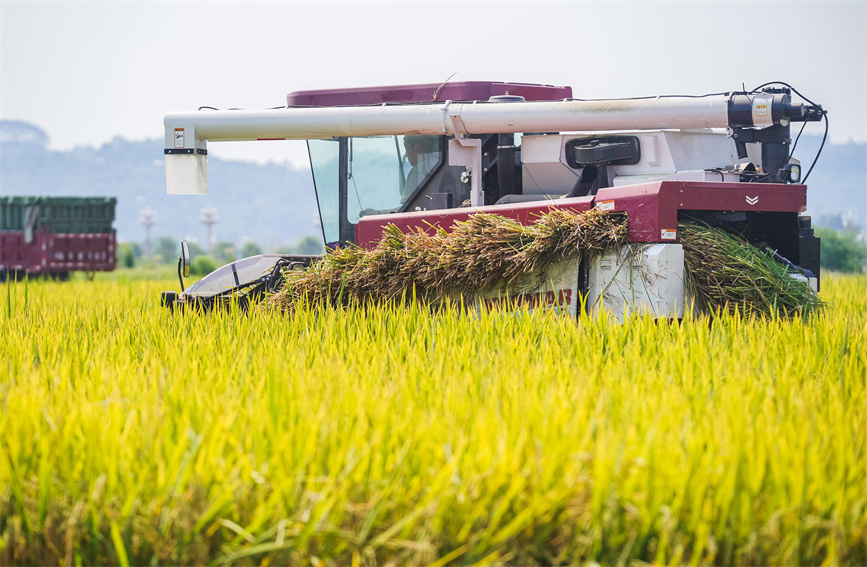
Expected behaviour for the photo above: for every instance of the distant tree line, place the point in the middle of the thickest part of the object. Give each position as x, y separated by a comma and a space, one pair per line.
167, 249
843, 250
844, 244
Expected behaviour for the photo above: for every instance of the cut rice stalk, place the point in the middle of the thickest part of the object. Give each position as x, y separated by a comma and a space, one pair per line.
723, 271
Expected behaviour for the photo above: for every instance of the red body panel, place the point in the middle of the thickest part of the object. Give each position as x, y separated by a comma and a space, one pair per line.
50, 252
652, 207
369, 229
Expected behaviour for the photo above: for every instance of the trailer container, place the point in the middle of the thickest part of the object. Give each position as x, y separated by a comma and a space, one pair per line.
53, 236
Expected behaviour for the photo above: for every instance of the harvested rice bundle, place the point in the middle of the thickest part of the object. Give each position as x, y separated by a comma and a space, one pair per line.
724, 271
556, 236
476, 254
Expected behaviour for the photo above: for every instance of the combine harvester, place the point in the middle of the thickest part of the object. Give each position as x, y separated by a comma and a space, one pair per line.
425, 157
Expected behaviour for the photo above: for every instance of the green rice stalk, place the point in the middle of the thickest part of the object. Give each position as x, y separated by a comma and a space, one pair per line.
724, 272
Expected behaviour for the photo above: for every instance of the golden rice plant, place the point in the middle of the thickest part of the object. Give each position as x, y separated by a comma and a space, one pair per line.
392, 435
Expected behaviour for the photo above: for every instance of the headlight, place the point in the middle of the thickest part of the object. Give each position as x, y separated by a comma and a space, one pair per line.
791, 173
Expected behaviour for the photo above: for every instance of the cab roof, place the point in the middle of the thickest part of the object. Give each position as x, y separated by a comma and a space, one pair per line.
426, 93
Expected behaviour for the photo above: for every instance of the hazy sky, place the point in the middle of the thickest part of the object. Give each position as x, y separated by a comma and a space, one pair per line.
88, 71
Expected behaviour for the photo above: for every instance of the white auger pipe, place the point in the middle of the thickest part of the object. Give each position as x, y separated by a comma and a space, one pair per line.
452, 119
187, 133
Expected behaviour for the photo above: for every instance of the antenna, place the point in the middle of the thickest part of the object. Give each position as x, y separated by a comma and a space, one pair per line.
440, 88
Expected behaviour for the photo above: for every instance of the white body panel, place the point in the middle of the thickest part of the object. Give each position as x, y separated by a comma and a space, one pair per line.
701, 175
467, 152
543, 166
646, 280
664, 155
554, 287
639, 279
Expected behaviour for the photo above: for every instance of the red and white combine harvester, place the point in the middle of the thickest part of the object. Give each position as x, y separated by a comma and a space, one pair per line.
426, 156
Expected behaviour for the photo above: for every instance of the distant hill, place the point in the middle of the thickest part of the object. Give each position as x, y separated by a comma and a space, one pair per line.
275, 205
272, 205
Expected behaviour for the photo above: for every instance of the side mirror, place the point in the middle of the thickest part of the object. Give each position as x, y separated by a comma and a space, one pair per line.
185, 257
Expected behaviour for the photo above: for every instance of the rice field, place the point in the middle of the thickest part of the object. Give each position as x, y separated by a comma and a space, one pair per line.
390, 435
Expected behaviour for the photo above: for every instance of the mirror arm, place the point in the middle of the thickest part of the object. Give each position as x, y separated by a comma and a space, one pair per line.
180, 273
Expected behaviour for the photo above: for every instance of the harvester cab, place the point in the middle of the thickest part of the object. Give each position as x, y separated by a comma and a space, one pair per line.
422, 157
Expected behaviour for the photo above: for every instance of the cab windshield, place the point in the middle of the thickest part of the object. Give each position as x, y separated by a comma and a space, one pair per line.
381, 175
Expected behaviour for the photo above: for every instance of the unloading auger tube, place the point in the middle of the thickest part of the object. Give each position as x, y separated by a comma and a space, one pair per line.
187, 133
